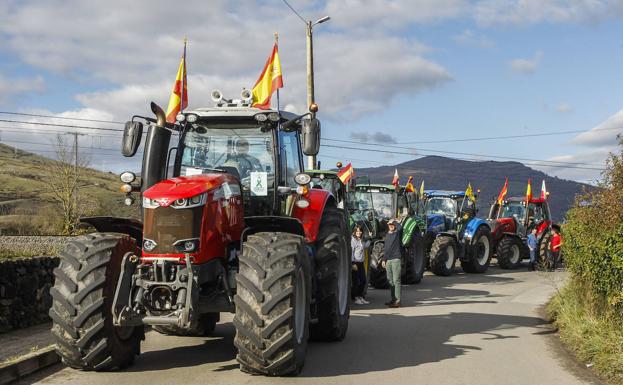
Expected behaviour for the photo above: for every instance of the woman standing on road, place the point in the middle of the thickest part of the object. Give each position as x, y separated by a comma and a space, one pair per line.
359, 273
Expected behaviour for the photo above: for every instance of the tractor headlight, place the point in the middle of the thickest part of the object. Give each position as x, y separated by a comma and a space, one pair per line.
187, 245
194, 201
127, 177
273, 117
302, 179
149, 245
180, 117
150, 203
192, 118
261, 117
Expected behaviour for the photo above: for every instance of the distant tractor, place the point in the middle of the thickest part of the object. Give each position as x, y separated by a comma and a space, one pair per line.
454, 232
230, 223
511, 224
388, 202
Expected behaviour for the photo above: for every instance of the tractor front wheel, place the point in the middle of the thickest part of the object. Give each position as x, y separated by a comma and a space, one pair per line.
414, 263
378, 275
544, 259
81, 312
480, 253
509, 253
443, 256
272, 304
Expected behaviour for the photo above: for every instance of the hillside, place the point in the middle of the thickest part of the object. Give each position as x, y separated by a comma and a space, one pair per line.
26, 204
488, 176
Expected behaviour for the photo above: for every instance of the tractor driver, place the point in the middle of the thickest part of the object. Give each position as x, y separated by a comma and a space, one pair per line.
242, 161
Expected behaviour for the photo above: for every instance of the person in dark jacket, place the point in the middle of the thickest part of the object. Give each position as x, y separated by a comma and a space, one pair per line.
391, 260
359, 246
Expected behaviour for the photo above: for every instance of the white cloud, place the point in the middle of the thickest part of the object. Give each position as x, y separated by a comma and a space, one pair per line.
604, 134
564, 108
10, 87
526, 66
474, 39
496, 12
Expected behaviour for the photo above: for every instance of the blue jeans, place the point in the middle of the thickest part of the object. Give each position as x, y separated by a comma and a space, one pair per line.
532, 256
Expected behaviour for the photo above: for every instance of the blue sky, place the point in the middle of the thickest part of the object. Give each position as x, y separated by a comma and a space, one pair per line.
410, 70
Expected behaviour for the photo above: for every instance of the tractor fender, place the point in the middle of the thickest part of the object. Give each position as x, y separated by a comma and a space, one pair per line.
454, 235
271, 223
129, 226
311, 216
411, 226
451, 234
472, 227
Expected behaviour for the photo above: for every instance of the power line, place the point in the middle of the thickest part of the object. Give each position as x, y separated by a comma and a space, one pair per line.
460, 153
60, 117
61, 125
294, 10
42, 131
407, 153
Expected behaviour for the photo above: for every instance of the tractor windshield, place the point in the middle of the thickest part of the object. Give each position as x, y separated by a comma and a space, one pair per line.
515, 210
441, 205
384, 204
244, 151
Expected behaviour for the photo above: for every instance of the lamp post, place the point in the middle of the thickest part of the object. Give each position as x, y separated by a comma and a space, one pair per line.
311, 160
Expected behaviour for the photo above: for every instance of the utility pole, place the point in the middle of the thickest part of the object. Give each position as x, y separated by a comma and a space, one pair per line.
75, 172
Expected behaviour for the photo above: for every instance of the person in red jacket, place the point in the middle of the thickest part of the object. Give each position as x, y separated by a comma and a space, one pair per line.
554, 247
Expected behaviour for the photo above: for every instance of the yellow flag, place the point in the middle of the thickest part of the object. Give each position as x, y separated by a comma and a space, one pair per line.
422, 189
469, 193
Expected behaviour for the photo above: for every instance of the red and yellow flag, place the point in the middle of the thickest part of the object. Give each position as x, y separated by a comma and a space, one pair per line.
409, 186
503, 193
269, 81
396, 179
529, 192
179, 96
346, 173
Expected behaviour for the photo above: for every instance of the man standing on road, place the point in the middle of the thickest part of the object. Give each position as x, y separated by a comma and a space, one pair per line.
555, 247
532, 245
391, 260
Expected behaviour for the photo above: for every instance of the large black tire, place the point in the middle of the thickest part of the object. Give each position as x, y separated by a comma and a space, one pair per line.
429, 238
205, 326
443, 256
272, 304
333, 278
479, 252
544, 259
414, 260
83, 292
510, 252
378, 275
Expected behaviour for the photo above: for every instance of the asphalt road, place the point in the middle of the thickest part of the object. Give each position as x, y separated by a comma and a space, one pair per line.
464, 329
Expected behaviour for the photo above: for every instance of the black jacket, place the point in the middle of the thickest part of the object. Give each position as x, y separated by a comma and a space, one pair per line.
392, 247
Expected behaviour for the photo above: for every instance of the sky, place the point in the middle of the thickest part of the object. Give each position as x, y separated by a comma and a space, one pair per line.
394, 79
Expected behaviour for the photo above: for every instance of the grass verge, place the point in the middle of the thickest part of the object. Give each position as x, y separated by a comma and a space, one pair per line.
11, 254
590, 330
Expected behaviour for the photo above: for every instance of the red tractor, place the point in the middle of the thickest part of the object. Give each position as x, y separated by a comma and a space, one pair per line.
511, 223
229, 224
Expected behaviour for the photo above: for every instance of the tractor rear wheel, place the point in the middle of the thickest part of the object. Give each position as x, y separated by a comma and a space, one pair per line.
333, 278
544, 260
378, 275
272, 304
81, 312
509, 252
414, 263
205, 326
443, 256
480, 254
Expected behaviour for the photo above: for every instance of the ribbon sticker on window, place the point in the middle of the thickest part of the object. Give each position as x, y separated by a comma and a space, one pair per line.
259, 184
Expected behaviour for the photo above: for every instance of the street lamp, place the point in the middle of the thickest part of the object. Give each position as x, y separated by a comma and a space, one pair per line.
311, 160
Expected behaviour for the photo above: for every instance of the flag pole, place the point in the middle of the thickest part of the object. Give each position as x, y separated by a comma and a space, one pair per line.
182, 106
277, 44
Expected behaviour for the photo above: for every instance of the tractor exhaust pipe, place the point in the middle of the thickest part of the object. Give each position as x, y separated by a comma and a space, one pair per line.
156, 148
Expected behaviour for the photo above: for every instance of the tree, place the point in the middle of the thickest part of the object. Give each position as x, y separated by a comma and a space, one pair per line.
63, 179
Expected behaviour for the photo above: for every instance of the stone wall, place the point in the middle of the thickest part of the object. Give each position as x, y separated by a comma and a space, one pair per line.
37, 245
25, 291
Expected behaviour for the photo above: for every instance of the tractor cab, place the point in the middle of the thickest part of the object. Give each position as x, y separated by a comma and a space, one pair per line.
328, 180
447, 210
520, 219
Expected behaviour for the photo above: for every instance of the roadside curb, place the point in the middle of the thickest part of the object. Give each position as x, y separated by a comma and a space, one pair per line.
28, 364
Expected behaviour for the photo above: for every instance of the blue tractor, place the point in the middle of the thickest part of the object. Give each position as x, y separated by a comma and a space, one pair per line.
454, 232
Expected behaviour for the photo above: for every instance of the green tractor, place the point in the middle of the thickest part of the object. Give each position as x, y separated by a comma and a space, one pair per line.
387, 202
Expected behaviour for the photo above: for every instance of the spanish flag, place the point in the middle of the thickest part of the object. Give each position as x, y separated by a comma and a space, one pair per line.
179, 96
269, 81
529, 192
346, 173
422, 189
503, 193
409, 186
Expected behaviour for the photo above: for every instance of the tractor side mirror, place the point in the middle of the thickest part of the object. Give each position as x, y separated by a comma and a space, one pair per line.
132, 134
310, 134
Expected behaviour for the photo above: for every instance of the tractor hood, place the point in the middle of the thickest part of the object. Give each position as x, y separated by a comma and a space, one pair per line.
435, 223
167, 191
